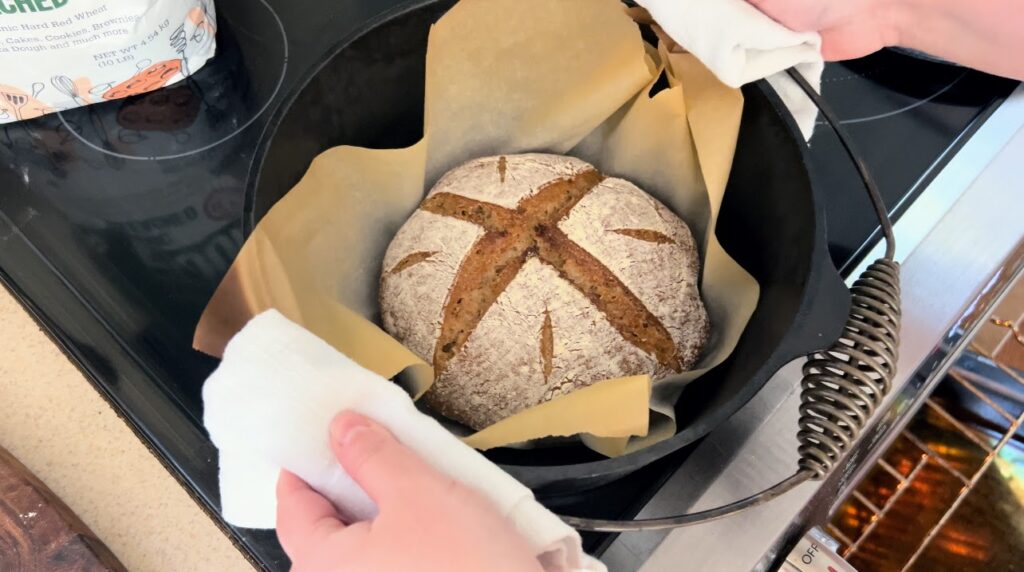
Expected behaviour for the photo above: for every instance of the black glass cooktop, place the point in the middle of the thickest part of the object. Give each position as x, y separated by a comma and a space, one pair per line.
118, 220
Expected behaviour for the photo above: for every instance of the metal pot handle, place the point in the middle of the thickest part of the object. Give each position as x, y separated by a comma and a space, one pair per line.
842, 386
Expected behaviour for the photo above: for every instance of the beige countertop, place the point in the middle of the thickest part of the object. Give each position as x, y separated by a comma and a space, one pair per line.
58, 425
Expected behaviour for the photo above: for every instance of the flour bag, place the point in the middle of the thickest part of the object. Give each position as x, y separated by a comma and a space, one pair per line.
61, 54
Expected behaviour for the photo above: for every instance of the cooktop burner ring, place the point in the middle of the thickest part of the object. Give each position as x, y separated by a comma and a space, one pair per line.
906, 108
907, 83
105, 145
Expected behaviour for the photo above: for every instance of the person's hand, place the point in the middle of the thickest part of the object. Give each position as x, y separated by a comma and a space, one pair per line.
427, 521
849, 28
983, 35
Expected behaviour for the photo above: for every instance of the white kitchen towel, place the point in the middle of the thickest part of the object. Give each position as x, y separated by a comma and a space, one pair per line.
269, 405
740, 44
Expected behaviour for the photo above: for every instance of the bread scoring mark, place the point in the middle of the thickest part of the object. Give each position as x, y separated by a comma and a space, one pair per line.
496, 258
512, 237
626, 313
489, 216
411, 260
547, 346
502, 167
491, 265
645, 235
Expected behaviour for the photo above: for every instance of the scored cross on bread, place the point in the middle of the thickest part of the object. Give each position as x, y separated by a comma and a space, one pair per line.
498, 222
531, 230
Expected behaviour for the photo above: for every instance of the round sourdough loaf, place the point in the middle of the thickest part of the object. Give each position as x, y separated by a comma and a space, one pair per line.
525, 277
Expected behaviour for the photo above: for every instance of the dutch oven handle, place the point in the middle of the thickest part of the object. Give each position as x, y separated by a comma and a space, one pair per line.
841, 386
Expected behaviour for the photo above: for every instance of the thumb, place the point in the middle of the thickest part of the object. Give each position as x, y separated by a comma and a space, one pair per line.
386, 469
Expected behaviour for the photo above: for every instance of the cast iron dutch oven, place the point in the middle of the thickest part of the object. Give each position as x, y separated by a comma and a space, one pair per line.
368, 92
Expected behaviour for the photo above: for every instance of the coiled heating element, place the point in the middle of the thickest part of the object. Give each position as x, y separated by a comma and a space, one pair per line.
842, 386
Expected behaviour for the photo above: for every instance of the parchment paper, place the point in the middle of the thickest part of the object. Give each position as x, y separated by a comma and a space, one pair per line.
504, 77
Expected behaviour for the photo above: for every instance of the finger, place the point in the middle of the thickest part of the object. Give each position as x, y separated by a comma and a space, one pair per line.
303, 515
853, 40
799, 16
387, 470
